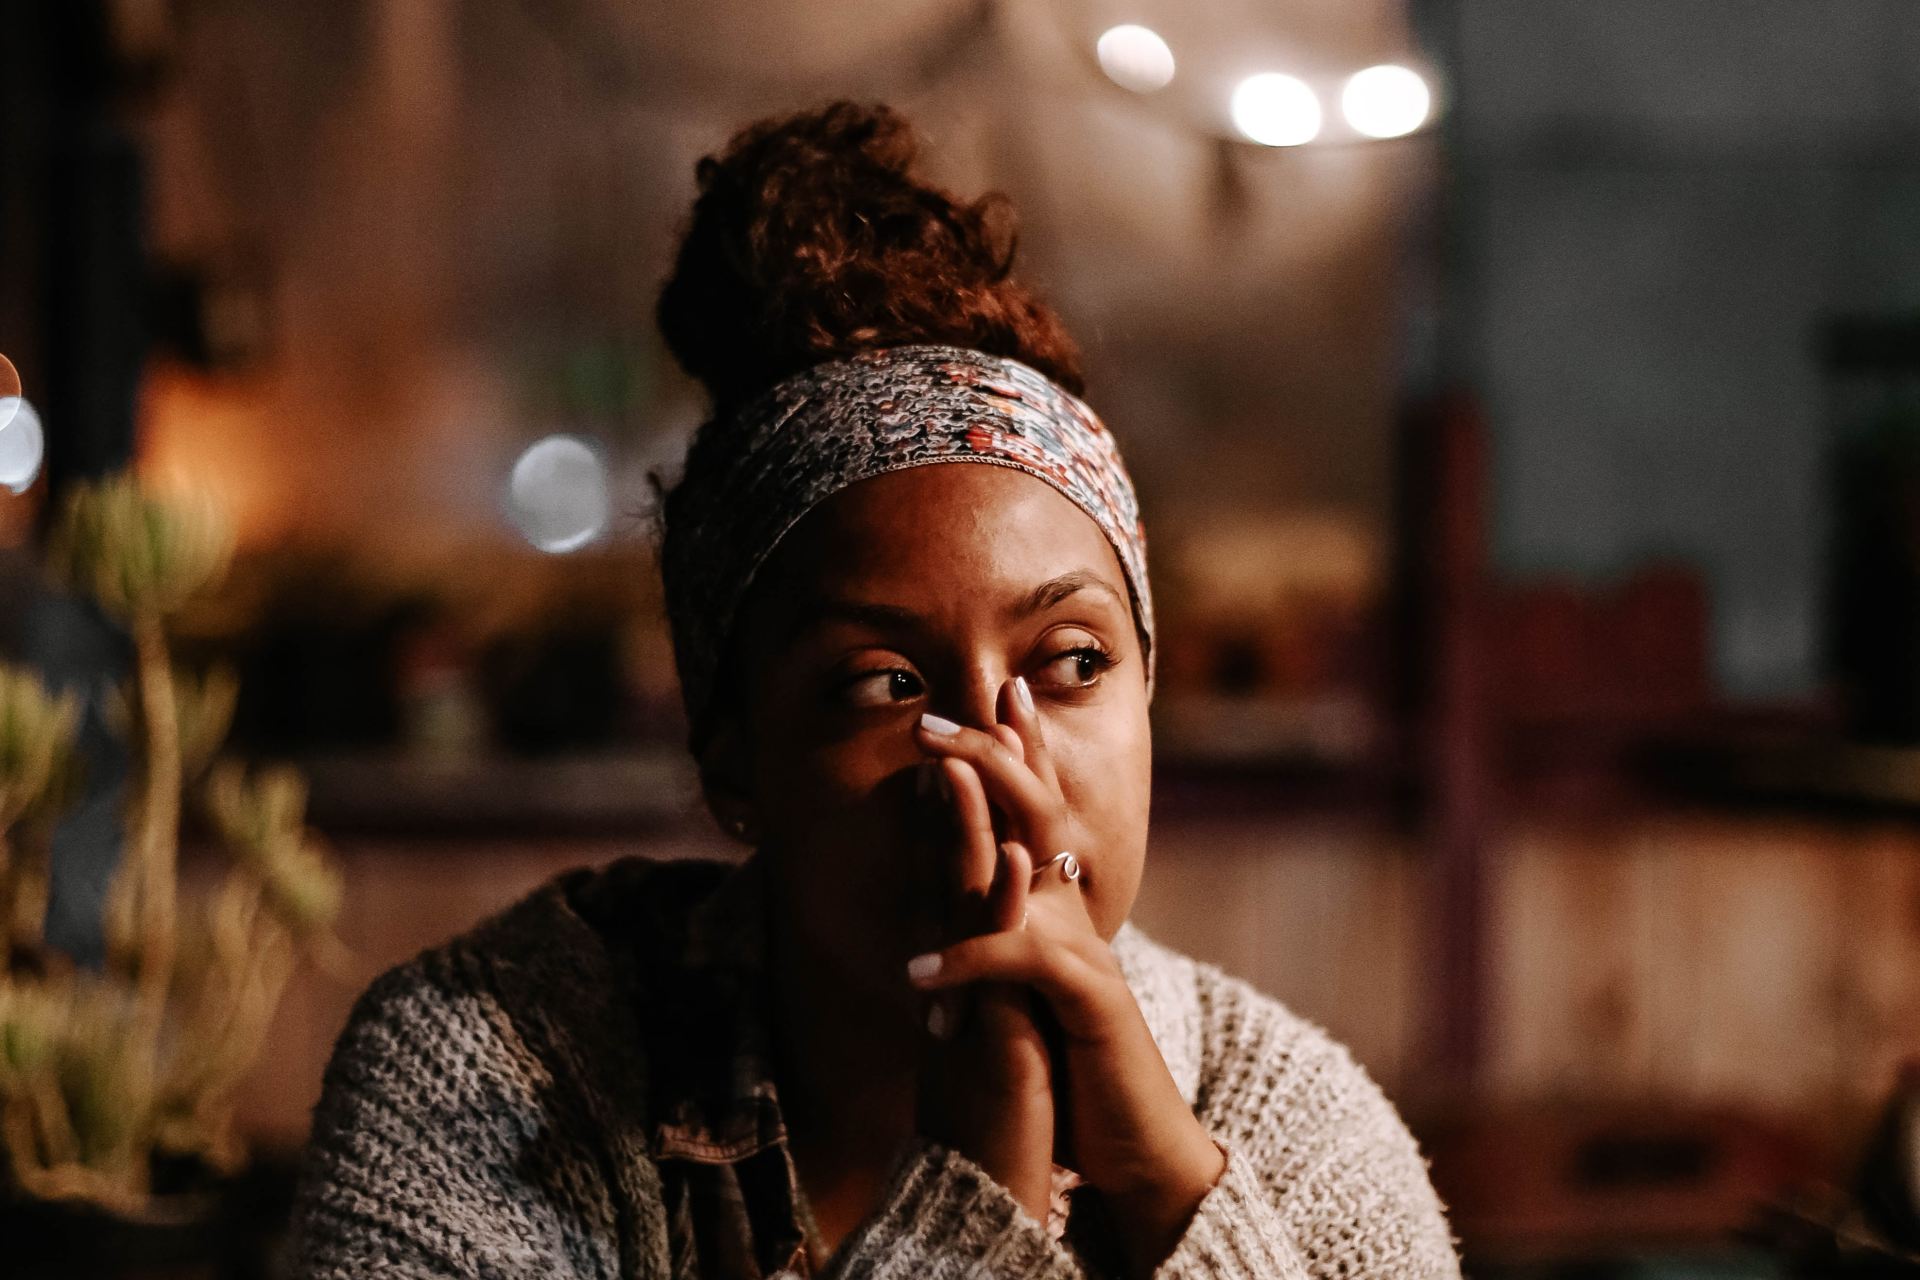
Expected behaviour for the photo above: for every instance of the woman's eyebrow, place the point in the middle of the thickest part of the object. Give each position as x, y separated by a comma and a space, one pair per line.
825, 609
1054, 590
891, 617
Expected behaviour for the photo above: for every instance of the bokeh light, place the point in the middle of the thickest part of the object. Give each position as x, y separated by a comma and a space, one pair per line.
9, 390
23, 445
1386, 101
558, 496
1136, 58
1276, 110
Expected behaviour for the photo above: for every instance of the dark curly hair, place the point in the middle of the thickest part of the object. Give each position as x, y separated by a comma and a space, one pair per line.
813, 238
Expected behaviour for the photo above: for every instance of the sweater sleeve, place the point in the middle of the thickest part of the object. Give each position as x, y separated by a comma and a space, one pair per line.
431, 1155
1322, 1176
943, 1215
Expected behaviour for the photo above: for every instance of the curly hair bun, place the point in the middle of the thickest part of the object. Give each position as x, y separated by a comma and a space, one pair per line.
813, 238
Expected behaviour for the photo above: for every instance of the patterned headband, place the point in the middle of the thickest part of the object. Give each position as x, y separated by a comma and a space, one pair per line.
752, 475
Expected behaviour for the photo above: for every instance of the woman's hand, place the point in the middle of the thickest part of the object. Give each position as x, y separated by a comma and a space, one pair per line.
1125, 1127
986, 1084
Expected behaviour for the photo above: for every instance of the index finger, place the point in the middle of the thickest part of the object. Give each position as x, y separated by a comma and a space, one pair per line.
1017, 712
1020, 791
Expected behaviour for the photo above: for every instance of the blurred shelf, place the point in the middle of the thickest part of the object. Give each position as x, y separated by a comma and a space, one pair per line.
1812, 771
1221, 757
1327, 733
634, 791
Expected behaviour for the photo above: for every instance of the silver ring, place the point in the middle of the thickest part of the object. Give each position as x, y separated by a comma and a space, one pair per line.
1069, 866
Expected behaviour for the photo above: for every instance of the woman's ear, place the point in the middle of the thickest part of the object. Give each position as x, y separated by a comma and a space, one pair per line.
724, 773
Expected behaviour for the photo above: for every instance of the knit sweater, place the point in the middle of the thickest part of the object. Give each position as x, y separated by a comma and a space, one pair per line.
567, 1091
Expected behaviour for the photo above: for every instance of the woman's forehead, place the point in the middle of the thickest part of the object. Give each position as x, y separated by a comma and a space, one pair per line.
959, 520
934, 532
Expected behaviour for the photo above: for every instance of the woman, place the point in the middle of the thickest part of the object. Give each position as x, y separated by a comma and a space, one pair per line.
913, 1033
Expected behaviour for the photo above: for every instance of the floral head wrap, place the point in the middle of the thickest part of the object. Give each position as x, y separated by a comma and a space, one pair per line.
752, 474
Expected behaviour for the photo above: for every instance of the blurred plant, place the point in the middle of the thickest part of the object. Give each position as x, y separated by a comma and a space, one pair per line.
38, 780
74, 1103
104, 1075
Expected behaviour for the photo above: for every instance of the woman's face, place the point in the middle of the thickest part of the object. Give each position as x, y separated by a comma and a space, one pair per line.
924, 590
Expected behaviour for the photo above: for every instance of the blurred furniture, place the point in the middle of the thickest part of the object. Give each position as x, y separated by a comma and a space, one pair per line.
1535, 1183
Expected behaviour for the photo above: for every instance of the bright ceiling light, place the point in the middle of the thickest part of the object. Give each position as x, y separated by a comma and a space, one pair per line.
1276, 110
1135, 58
1385, 101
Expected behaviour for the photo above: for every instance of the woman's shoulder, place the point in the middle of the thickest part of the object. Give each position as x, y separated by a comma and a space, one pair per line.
547, 980
1294, 1102
479, 1084
473, 1102
584, 912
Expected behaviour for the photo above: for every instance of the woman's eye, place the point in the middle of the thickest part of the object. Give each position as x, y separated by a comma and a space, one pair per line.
1081, 667
881, 688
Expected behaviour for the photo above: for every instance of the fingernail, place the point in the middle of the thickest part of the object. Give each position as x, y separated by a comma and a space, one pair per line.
935, 724
923, 967
1026, 694
937, 1020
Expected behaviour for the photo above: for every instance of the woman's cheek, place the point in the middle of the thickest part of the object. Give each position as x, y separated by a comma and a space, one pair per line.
1107, 793
854, 798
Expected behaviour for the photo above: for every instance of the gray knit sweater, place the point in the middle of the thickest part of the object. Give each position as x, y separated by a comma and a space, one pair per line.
532, 1099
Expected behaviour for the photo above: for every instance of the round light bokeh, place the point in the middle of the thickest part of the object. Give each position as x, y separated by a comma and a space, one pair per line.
1387, 101
1136, 58
557, 495
23, 446
10, 390
1276, 110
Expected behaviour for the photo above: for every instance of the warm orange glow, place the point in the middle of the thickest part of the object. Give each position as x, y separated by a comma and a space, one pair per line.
200, 435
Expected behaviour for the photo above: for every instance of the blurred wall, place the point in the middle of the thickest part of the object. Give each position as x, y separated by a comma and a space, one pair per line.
1659, 200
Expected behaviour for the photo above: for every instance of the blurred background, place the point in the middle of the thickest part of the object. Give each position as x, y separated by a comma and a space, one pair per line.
1525, 404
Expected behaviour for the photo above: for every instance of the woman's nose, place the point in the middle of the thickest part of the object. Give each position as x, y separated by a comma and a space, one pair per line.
973, 700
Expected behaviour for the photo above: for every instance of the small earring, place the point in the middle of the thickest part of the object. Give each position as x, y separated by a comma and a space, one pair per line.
740, 827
